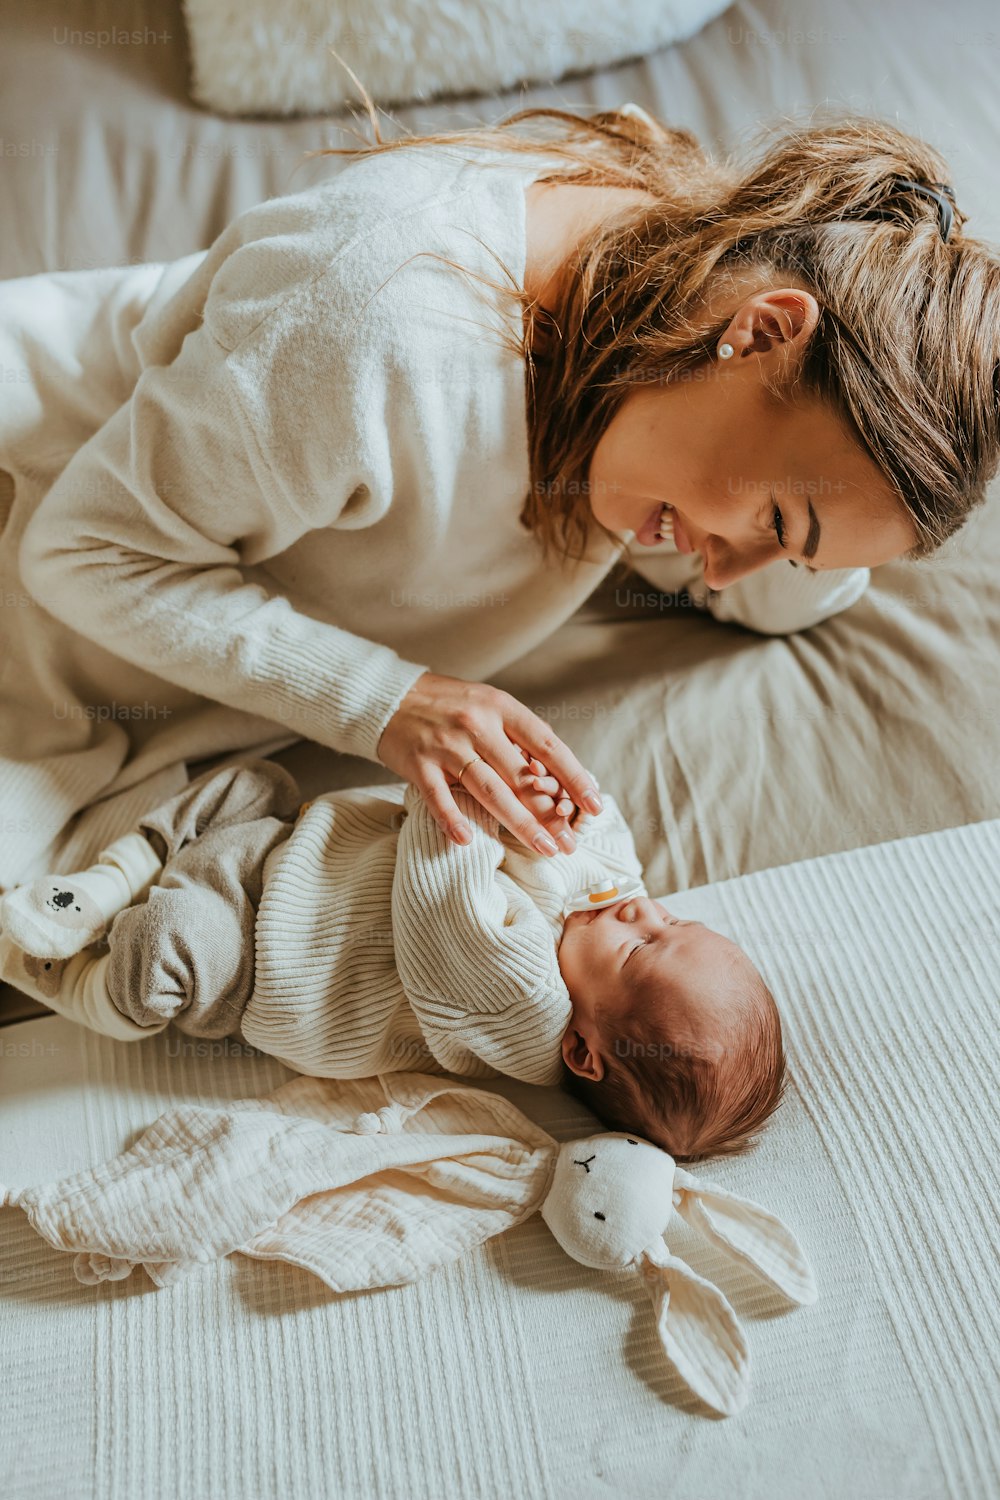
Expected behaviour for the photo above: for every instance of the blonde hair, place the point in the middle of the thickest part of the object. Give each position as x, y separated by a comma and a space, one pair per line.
907, 345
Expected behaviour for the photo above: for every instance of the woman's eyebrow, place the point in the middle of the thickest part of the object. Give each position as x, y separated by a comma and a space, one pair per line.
812, 539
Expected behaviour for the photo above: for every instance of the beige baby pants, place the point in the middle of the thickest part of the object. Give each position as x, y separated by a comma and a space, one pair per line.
186, 953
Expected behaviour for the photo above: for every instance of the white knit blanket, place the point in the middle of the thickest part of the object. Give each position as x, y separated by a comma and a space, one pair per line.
515, 1370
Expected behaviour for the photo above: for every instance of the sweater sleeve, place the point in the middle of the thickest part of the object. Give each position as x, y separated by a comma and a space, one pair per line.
607, 836
775, 600
221, 458
476, 957
604, 846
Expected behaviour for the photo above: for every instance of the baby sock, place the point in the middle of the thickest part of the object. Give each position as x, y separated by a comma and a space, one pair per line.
58, 915
75, 987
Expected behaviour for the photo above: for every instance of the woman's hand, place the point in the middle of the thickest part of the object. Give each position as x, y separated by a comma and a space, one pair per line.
446, 727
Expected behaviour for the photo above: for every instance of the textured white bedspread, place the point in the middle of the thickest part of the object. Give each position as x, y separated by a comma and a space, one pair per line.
519, 1372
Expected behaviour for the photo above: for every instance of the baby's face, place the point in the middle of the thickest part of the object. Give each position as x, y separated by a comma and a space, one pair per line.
604, 954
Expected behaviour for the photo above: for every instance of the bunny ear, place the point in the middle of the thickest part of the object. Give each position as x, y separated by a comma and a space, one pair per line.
748, 1233
699, 1331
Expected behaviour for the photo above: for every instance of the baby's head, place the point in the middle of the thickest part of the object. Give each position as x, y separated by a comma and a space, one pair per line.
674, 1034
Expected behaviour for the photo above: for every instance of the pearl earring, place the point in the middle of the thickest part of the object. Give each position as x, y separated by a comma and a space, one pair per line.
726, 351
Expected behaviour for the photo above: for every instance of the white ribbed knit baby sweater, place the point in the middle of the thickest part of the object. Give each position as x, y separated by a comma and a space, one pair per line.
383, 946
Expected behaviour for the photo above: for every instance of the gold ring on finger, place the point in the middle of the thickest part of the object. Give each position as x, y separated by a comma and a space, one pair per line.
468, 763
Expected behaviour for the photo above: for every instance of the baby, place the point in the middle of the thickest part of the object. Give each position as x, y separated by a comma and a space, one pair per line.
349, 936
674, 1034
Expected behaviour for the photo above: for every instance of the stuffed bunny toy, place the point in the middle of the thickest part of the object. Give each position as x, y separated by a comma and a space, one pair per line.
375, 1182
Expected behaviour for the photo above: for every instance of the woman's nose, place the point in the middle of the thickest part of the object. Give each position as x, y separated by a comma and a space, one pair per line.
723, 565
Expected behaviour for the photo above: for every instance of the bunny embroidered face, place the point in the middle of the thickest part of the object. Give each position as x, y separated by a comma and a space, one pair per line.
611, 1196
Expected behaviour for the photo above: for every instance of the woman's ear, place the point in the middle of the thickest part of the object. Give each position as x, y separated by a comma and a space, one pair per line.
771, 319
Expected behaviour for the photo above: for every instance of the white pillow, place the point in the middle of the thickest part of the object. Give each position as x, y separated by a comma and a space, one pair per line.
255, 57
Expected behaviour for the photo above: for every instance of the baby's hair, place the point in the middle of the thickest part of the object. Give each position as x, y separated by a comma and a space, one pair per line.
692, 1101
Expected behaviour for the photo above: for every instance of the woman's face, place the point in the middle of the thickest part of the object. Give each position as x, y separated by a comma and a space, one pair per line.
749, 479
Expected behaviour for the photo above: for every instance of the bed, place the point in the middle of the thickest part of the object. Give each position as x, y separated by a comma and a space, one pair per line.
733, 756
516, 1371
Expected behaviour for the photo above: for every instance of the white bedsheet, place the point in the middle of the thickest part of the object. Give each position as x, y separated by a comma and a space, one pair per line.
519, 1372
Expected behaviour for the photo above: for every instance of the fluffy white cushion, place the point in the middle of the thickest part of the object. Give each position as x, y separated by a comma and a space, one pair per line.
253, 57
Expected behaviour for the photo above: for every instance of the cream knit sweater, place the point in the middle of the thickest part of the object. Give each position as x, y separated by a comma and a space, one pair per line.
259, 490
383, 946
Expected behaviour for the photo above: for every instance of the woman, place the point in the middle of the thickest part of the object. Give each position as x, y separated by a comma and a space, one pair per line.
310, 482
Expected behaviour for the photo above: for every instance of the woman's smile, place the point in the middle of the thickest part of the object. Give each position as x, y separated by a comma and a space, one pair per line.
681, 539
662, 525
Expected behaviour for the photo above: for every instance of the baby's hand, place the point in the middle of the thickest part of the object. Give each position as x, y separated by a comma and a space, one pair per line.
548, 798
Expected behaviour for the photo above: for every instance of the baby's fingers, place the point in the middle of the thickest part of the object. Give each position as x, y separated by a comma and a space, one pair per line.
539, 804
543, 782
561, 798
547, 784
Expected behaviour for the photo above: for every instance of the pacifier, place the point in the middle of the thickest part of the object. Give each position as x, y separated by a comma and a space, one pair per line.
604, 893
